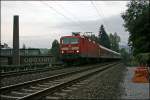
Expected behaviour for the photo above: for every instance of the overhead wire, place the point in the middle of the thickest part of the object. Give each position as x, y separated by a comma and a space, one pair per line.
66, 17
104, 16
99, 14
79, 21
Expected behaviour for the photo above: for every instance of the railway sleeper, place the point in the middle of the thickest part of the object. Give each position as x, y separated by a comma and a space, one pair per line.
60, 94
36, 88
56, 95
17, 93
28, 90
54, 82
52, 98
66, 90
80, 83
8, 97
47, 83
76, 85
43, 86
72, 88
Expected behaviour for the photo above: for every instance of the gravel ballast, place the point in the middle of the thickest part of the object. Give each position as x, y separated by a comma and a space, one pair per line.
32, 76
105, 85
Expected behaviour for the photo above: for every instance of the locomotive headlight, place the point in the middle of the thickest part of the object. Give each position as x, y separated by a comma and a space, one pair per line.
62, 51
77, 51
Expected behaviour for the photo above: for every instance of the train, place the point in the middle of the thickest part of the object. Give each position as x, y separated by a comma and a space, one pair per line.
80, 48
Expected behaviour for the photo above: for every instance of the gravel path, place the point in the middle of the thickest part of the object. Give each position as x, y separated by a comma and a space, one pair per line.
105, 85
134, 90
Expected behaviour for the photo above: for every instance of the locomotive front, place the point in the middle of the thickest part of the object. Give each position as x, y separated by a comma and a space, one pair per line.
70, 48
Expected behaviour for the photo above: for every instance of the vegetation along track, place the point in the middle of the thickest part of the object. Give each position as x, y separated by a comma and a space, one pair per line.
38, 89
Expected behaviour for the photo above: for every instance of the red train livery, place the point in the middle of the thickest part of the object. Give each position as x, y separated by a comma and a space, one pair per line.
81, 48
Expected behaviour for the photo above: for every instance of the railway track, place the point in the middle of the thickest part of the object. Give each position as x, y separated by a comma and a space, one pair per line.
24, 72
17, 73
45, 87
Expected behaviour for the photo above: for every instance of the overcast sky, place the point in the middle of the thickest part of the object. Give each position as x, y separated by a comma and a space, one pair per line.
43, 21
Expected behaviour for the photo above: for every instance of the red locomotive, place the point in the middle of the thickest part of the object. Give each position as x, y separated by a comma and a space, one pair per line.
81, 48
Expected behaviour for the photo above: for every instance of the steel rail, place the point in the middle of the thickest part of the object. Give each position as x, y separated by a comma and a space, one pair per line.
39, 81
17, 73
10, 87
52, 89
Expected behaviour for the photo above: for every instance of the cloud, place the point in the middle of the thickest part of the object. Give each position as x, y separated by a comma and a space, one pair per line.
41, 36
112, 24
40, 25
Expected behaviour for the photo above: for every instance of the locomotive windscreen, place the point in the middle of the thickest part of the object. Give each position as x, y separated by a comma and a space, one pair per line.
70, 41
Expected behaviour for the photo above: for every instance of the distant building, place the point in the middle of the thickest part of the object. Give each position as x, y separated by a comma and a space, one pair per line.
44, 51
27, 56
9, 52
5, 46
31, 55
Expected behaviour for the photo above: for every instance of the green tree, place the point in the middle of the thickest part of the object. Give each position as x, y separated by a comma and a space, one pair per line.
143, 59
136, 20
125, 56
93, 37
103, 37
55, 50
114, 41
